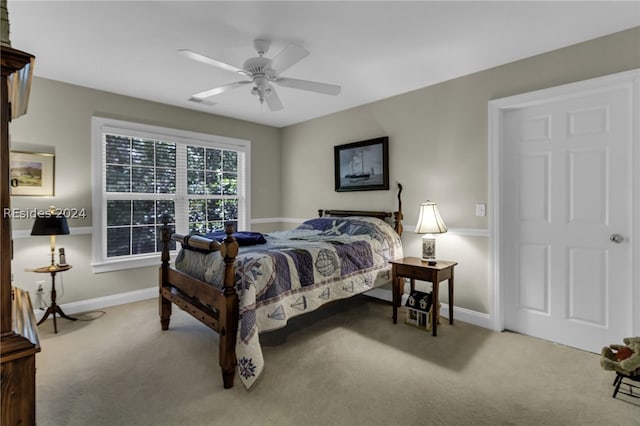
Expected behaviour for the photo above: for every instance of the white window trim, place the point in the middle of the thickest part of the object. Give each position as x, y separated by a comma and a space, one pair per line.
99, 126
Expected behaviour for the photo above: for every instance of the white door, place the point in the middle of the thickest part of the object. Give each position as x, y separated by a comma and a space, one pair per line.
567, 214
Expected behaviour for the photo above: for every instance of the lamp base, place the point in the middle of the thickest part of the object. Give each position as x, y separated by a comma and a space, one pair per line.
429, 248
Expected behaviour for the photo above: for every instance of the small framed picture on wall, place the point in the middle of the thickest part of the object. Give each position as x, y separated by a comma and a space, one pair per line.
31, 173
362, 166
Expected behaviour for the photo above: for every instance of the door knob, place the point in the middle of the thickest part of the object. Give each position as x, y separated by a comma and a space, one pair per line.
616, 238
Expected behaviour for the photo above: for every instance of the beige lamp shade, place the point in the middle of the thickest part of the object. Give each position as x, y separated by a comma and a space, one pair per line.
429, 220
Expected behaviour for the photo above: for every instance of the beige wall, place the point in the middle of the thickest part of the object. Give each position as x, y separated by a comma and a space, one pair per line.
59, 118
438, 150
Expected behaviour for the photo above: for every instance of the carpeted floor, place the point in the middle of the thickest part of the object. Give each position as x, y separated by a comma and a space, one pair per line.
344, 365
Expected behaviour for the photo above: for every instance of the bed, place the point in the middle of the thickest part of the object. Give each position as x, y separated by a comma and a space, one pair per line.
240, 292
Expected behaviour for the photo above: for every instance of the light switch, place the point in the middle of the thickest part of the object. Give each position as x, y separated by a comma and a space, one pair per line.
481, 209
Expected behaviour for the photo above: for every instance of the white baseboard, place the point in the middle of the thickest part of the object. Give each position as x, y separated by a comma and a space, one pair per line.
462, 314
97, 303
73, 308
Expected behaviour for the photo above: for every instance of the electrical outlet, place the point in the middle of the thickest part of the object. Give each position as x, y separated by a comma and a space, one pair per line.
481, 209
40, 288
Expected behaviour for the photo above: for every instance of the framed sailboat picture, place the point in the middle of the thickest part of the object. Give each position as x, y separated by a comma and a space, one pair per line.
362, 166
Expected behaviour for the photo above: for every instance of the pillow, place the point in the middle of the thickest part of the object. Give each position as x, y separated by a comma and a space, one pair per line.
352, 225
321, 223
244, 238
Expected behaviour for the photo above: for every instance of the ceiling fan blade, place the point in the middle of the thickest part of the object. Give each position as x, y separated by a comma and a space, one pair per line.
273, 101
210, 61
311, 86
289, 56
199, 97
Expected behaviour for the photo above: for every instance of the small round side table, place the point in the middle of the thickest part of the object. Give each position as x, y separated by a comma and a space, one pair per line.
53, 308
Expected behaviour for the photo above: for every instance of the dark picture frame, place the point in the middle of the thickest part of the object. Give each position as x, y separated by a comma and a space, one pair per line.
362, 166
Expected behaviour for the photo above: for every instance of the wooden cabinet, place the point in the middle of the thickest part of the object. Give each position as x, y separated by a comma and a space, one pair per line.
17, 352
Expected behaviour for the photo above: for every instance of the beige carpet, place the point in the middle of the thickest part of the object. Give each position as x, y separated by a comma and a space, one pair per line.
345, 365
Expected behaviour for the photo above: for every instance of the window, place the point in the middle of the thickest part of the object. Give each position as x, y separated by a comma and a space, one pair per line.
142, 172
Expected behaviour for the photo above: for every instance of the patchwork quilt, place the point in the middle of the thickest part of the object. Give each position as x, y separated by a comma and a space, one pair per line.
297, 271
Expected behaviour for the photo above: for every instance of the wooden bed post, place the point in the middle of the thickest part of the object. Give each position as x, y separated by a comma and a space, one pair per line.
398, 216
165, 305
229, 321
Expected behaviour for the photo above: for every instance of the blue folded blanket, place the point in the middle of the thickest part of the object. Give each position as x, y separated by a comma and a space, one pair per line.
244, 238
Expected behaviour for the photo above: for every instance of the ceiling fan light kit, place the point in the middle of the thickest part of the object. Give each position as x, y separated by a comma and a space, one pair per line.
262, 72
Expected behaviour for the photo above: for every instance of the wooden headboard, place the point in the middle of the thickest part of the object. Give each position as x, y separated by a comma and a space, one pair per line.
397, 215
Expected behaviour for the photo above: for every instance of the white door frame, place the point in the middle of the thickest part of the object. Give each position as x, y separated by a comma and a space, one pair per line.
497, 109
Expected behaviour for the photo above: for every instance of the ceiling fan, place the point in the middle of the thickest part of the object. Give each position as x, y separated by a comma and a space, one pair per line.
261, 72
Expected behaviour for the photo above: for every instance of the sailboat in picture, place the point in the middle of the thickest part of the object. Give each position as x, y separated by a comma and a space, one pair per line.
360, 175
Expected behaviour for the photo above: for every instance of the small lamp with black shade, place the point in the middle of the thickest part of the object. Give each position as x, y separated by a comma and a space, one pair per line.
51, 224
429, 223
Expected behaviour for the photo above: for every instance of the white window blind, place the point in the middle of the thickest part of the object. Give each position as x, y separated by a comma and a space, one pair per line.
142, 172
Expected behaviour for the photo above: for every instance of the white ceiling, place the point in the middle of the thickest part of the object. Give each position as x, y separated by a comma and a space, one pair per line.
374, 50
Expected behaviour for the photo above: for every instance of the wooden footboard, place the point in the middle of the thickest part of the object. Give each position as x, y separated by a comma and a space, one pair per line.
216, 309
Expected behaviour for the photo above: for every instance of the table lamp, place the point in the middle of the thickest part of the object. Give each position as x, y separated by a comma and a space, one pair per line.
429, 223
51, 224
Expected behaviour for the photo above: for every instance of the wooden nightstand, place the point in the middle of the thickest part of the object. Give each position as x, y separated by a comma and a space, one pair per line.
416, 269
